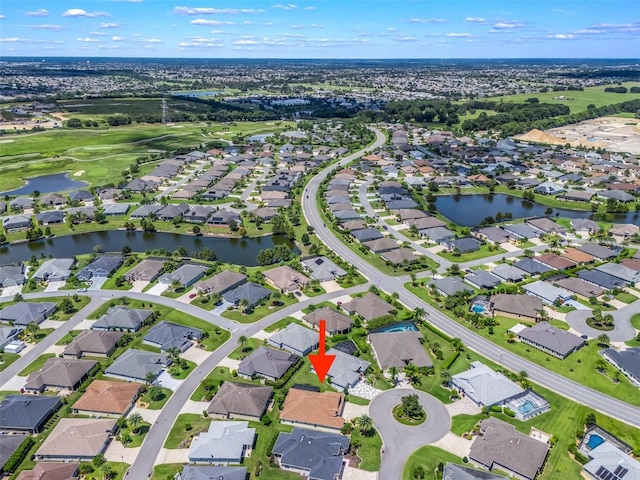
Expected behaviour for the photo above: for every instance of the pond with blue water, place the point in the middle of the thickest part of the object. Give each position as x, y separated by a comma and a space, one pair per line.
58, 182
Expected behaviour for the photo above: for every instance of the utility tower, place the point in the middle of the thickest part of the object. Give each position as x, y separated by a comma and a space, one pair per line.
165, 111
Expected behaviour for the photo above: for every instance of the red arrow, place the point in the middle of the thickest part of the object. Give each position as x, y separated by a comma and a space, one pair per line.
322, 362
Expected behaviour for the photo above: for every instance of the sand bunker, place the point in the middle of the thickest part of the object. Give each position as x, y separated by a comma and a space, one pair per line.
78, 173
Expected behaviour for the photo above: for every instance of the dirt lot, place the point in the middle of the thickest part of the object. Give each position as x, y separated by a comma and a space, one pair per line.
611, 133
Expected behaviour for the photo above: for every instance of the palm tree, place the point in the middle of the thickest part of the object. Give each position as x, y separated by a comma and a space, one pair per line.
457, 344
413, 278
33, 329
365, 422
134, 421
419, 314
242, 340
600, 365
275, 297
244, 305
446, 376
173, 353
603, 339
393, 371
108, 473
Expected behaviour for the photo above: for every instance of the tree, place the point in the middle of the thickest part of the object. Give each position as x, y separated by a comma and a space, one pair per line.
604, 339
32, 329
419, 314
445, 375
134, 421
196, 230
600, 365
99, 460
108, 473
66, 305
176, 285
365, 422
149, 378
418, 472
242, 340
411, 406
156, 394
244, 305
275, 297
305, 238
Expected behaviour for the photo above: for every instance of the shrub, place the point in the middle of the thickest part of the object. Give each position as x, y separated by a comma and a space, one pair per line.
187, 427
18, 456
418, 472
509, 413
465, 460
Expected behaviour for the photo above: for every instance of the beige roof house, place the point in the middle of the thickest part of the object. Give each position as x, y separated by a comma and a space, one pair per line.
221, 282
94, 343
314, 409
77, 439
399, 349
516, 306
51, 471
369, 306
59, 373
286, 279
335, 321
147, 270
105, 397
240, 400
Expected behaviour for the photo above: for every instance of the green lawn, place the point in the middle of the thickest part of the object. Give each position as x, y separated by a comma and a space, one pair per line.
243, 350
156, 404
464, 423
369, 451
280, 324
486, 250
166, 471
579, 366
118, 467
429, 458
259, 312
625, 297
8, 359
68, 337
635, 321
180, 373
179, 435
36, 364
136, 438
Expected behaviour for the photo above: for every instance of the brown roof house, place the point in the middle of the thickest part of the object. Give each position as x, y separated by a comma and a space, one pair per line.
399, 349
502, 447
286, 279
51, 471
107, 399
240, 400
525, 307
313, 409
60, 373
369, 306
221, 282
335, 322
93, 343
147, 270
77, 439
555, 261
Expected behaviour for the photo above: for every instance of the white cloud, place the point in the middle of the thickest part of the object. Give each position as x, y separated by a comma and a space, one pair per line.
97, 34
79, 13
427, 20
2, 17
43, 12
475, 20
116, 38
153, 40
211, 23
109, 25
561, 36
391, 29
247, 23
246, 42
507, 25
200, 42
289, 6
310, 8
48, 27
87, 40
404, 38
300, 27
14, 39
213, 11
459, 35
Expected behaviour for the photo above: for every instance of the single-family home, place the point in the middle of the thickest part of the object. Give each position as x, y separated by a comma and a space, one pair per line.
54, 270
168, 335
448, 286
579, 287
346, 370
101, 267
253, 292
532, 266
308, 408
463, 245
335, 322
122, 319
27, 413
508, 273
548, 293
93, 343
240, 400
323, 269
295, 339
607, 461
8, 335
601, 279
551, 340
549, 188
12, 275
138, 366
221, 282
51, 217
77, 439
285, 279
105, 398
16, 223
59, 373
453, 471
148, 270
482, 280
485, 387
186, 275
201, 472
369, 306
399, 349
627, 361
267, 362
51, 471
598, 251
225, 442
555, 262
24, 313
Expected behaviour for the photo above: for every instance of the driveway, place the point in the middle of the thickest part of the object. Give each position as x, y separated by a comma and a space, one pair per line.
399, 441
167, 381
54, 286
157, 289
96, 283
622, 330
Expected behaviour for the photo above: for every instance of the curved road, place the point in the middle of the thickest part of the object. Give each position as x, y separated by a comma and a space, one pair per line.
562, 385
399, 440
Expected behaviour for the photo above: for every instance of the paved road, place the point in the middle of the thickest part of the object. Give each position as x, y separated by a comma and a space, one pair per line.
623, 330
564, 386
399, 441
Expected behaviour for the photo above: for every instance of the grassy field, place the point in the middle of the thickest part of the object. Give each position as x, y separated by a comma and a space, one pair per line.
429, 458
485, 250
577, 101
95, 155
36, 364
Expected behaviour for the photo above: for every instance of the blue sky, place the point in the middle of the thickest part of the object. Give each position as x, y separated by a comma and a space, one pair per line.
322, 28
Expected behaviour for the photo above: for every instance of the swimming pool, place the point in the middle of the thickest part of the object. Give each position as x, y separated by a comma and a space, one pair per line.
594, 441
397, 327
477, 308
527, 407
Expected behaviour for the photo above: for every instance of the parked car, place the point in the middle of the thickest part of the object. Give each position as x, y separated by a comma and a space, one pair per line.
193, 295
82, 290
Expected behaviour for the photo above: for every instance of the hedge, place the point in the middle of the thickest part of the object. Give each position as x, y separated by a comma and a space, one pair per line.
286, 377
450, 361
18, 456
438, 332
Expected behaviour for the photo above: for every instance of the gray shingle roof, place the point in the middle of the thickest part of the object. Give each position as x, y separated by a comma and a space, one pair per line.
485, 386
398, 349
628, 359
56, 268
224, 441
59, 373
560, 342
92, 341
167, 335
335, 321
137, 364
197, 472
122, 317
267, 362
346, 369
24, 313
296, 339
240, 399
251, 291
460, 472
27, 412
369, 306
186, 275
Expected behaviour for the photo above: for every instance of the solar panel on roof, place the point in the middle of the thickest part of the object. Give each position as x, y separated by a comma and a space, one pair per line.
623, 472
600, 471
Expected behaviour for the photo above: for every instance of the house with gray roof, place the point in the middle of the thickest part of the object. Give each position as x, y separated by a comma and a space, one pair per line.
240, 400
399, 349
597, 251
295, 339
253, 292
485, 387
101, 267
347, 215
610, 463
381, 245
16, 223
145, 210
617, 270
369, 306
147, 270
186, 274
93, 343
580, 287
482, 280
9, 444
531, 266
463, 245
366, 234
197, 214
323, 269
12, 275
437, 234
549, 188
114, 209
450, 285
267, 362
221, 282
171, 211
138, 365
546, 225
492, 234
24, 313
122, 318
335, 322
346, 370
618, 195
225, 442
51, 217
169, 335
54, 270
551, 340
59, 373
546, 292
461, 472
522, 230
627, 361
8, 335
508, 273
601, 279
501, 447
201, 472
584, 225
27, 413
311, 453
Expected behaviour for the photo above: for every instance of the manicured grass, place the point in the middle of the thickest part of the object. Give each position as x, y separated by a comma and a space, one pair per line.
429, 458
68, 338
314, 292
579, 366
635, 321
166, 471
486, 250
464, 423
36, 364
180, 434
259, 312
626, 297
177, 372
403, 419
8, 359
280, 324
243, 350
357, 400
118, 467
156, 404
136, 438
369, 450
